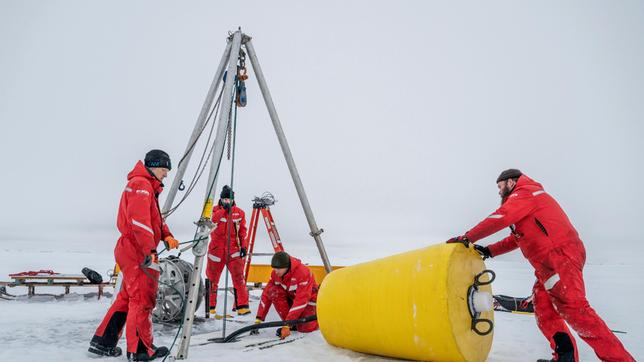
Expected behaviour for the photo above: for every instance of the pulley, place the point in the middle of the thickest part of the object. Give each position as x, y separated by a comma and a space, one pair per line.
174, 285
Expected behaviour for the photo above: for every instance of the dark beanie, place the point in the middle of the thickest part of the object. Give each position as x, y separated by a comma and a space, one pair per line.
226, 193
508, 174
281, 260
157, 158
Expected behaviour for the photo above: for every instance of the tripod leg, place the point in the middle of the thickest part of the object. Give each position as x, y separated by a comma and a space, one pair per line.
315, 232
251, 242
272, 230
218, 149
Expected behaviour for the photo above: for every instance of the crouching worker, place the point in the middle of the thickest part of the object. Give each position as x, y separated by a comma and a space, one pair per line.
141, 227
293, 291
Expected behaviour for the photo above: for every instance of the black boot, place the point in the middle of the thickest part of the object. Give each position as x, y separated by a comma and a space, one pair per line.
564, 349
104, 351
143, 356
105, 345
566, 357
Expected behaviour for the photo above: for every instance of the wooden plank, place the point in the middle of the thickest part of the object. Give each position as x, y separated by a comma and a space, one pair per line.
61, 284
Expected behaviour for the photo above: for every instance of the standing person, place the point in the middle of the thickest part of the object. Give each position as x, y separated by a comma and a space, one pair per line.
551, 244
230, 222
141, 227
293, 291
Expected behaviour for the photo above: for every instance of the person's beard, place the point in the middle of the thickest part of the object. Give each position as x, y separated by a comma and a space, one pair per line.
505, 192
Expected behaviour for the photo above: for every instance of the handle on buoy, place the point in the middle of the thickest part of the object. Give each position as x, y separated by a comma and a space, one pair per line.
473, 291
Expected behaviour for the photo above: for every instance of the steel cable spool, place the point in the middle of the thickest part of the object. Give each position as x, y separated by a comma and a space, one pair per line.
174, 285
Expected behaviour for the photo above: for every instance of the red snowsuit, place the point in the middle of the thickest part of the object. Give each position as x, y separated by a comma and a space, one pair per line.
217, 253
294, 295
551, 244
142, 227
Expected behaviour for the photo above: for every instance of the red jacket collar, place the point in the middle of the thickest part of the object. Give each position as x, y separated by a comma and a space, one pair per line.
140, 170
526, 182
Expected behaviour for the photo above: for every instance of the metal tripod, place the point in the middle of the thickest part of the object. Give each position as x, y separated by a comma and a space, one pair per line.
235, 42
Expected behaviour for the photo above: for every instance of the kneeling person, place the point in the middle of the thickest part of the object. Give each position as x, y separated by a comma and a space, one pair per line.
292, 290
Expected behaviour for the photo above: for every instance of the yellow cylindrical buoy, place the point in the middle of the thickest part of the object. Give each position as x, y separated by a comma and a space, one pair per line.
412, 305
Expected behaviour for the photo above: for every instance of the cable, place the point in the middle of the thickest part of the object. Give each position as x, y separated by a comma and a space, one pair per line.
202, 164
189, 150
195, 241
229, 224
183, 306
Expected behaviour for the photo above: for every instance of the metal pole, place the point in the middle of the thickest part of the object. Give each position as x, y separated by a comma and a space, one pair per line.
224, 114
181, 169
205, 225
315, 232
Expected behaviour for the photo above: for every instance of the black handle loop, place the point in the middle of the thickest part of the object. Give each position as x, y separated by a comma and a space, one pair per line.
475, 328
477, 278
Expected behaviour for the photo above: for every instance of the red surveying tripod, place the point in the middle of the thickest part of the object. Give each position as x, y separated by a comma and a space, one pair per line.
261, 205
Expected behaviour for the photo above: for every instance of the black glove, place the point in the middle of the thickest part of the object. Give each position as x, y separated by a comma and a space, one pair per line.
459, 239
483, 250
243, 252
149, 259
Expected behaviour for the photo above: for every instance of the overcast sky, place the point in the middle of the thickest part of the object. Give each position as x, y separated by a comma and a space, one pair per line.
400, 114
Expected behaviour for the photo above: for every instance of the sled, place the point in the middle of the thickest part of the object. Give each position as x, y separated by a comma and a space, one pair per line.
504, 303
66, 281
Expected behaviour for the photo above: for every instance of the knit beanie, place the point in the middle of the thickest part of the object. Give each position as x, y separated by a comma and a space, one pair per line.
280, 260
157, 158
508, 174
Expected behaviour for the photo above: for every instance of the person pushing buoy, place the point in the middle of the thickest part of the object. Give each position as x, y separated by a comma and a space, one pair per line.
547, 238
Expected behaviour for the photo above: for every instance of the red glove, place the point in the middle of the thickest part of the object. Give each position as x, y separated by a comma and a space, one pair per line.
526, 302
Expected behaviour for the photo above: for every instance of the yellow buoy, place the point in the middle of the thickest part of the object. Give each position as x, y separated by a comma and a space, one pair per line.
412, 305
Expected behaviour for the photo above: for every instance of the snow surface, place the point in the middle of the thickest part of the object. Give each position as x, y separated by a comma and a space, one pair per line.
59, 330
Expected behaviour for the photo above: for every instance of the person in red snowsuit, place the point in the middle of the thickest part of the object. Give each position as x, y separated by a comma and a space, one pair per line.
292, 290
546, 237
230, 222
141, 227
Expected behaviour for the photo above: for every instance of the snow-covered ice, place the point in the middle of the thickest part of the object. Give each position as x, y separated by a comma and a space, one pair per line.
60, 330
